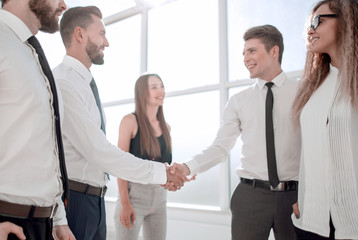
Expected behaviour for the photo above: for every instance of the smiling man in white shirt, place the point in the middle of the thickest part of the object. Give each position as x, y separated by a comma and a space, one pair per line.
89, 155
260, 203
30, 155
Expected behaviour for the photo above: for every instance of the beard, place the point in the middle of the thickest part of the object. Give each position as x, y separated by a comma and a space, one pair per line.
94, 54
46, 15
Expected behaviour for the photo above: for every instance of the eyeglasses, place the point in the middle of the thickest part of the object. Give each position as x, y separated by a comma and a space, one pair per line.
316, 20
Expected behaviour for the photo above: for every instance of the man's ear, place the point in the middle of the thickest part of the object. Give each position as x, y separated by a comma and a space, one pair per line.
79, 34
275, 51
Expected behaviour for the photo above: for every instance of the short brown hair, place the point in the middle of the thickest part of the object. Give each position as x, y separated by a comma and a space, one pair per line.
77, 17
3, 2
269, 35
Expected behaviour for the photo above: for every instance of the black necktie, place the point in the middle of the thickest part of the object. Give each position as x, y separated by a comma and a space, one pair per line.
270, 140
47, 71
98, 101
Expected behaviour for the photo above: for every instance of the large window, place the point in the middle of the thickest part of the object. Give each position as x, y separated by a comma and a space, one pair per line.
196, 47
183, 43
194, 120
117, 76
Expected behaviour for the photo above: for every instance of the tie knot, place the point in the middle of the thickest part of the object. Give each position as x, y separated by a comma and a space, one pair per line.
34, 42
269, 84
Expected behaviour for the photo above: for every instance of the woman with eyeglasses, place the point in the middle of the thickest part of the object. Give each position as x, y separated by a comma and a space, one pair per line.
326, 108
145, 134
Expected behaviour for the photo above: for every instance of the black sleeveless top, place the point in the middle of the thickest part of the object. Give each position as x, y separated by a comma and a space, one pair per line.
166, 157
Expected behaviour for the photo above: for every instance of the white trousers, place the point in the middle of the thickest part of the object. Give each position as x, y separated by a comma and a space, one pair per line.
149, 204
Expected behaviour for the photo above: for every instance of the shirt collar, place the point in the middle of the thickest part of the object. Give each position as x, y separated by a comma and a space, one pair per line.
78, 67
278, 80
15, 24
333, 69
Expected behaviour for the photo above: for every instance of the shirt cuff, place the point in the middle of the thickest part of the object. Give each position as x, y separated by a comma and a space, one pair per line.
60, 216
193, 167
159, 173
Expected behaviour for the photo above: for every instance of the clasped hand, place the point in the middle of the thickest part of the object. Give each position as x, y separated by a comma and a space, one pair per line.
176, 176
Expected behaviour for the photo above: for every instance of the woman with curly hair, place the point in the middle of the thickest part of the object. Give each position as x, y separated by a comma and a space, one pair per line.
326, 108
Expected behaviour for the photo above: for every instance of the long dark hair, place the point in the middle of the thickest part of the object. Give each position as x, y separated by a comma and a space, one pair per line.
148, 142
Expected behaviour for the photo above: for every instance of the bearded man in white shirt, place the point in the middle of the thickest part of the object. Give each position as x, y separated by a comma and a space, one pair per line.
89, 155
30, 156
257, 205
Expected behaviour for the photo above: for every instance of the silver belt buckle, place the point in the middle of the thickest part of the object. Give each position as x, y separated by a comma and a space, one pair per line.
279, 187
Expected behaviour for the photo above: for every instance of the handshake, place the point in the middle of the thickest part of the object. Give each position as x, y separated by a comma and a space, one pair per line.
176, 176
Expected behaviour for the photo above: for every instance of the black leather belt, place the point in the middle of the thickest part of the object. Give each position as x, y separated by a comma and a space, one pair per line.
87, 189
282, 186
26, 211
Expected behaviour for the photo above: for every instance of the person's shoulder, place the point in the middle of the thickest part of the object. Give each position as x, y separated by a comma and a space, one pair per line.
242, 98
245, 91
61, 71
5, 33
65, 74
129, 119
290, 85
10, 44
168, 126
292, 78
64, 78
129, 123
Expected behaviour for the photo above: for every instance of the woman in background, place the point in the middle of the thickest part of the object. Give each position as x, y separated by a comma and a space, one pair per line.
145, 134
326, 106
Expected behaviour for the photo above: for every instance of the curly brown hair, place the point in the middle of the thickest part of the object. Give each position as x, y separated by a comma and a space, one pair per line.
317, 64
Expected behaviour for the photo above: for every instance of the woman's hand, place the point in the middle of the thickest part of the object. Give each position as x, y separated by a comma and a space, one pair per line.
127, 216
296, 211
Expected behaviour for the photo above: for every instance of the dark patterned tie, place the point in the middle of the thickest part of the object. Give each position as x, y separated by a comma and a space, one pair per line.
98, 101
270, 140
47, 71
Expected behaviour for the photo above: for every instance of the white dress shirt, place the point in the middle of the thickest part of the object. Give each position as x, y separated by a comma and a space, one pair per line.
88, 153
329, 163
245, 114
29, 165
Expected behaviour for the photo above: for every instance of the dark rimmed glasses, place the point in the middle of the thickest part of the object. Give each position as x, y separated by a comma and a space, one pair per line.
316, 20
